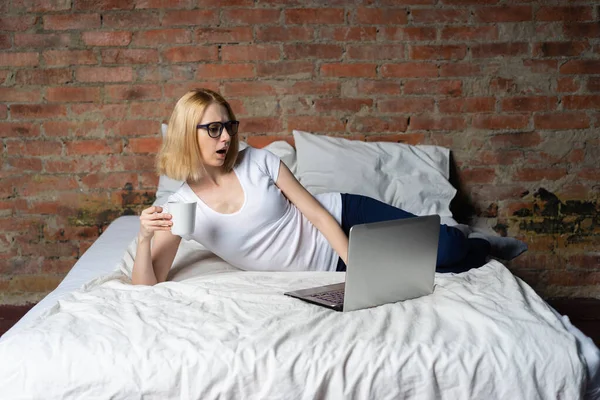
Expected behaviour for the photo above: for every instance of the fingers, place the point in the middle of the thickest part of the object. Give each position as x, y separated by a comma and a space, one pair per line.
156, 216
152, 210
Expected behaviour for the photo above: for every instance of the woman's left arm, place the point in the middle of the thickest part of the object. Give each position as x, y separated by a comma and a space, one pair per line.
313, 211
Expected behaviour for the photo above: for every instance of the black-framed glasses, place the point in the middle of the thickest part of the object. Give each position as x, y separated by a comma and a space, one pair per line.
214, 129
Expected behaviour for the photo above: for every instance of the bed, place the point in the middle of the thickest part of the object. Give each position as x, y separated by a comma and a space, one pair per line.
213, 331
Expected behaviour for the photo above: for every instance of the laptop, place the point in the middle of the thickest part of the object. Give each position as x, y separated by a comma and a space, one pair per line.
388, 261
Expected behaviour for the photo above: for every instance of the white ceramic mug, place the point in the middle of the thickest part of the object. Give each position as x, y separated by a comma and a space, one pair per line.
183, 218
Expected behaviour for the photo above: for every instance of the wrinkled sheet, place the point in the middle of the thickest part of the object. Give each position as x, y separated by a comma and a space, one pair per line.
216, 332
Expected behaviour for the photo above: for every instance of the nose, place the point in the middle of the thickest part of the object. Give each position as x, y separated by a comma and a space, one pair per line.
225, 131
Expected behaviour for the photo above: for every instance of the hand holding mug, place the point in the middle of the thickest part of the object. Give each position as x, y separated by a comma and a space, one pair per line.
152, 219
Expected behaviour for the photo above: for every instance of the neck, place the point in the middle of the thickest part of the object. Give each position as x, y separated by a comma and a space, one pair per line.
212, 176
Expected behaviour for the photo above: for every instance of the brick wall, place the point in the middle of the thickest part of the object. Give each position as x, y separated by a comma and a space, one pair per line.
512, 87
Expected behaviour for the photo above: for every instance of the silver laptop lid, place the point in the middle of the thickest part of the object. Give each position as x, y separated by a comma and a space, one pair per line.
391, 261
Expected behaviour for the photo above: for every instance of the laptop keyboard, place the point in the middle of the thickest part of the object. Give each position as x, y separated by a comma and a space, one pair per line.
334, 297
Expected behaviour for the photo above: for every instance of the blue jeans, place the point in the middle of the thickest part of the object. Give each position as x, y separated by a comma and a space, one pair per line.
456, 253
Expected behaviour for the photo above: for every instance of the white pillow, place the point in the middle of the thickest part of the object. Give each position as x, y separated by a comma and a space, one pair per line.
168, 186
413, 178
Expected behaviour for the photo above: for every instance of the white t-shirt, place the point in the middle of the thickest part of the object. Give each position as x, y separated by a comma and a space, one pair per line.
268, 232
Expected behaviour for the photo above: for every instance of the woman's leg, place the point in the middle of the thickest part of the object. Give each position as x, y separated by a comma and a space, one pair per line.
453, 246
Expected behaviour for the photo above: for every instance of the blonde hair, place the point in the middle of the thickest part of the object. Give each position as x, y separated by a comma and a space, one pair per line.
179, 157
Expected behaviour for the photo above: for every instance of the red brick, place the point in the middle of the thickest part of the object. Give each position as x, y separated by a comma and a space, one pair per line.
73, 128
316, 124
225, 3
580, 67
72, 94
35, 148
497, 157
580, 31
132, 127
151, 109
18, 130
129, 163
489, 50
349, 70
40, 5
539, 174
375, 52
113, 180
561, 121
504, 14
367, 125
375, 16
409, 70
564, 14
445, 87
176, 90
69, 57
224, 35
261, 125
98, 111
589, 174
36, 40
542, 66
406, 105
312, 88
264, 140
467, 105
55, 76
162, 36
3, 111
131, 20
538, 103
106, 38
60, 22
516, 139
129, 56
379, 87
225, 71
136, 92
345, 34
413, 34
325, 16
249, 16
301, 51
74, 165
481, 33
291, 70
165, 4
498, 192
19, 59
20, 95
5, 42
500, 121
581, 102
593, 84
250, 53
31, 111
28, 164
191, 54
147, 145
190, 18
567, 85
93, 147
248, 89
18, 24
104, 74
445, 52
460, 69
478, 175
170, 73
427, 123
439, 16
350, 105
560, 49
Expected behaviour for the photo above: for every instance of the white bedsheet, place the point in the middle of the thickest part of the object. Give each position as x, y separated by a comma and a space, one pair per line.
215, 332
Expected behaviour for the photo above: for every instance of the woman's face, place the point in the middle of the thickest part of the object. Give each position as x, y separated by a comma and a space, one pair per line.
214, 150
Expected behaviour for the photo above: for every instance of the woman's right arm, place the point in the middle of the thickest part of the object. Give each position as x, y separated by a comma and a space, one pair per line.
153, 262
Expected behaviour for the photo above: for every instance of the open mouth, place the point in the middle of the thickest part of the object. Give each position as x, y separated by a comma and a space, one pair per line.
222, 151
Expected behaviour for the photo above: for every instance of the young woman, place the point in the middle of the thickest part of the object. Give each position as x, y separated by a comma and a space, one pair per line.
251, 210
